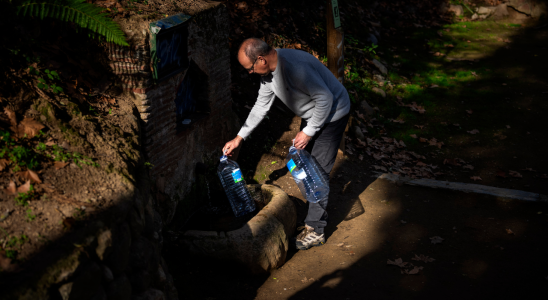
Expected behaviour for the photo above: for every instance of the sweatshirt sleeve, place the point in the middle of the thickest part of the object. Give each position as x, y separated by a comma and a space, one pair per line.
265, 99
313, 84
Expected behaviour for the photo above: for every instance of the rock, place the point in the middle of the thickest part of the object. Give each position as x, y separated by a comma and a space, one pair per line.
119, 289
474, 17
142, 254
104, 243
379, 91
160, 278
532, 8
371, 39
170, 291
486, 10
380, 66
501, 12
69, 267
358, 133
136, 223
107, 273
151, 294
378, 78
456, 9
140, 281
367, 108
84, 286
121, 243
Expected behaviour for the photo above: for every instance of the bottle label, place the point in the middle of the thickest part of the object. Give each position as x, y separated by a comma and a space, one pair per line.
237, 175
291, 165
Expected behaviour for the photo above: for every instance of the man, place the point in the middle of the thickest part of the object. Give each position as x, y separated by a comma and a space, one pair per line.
311, 91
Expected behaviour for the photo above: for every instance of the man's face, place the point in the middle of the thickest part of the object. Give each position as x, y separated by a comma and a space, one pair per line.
260, 66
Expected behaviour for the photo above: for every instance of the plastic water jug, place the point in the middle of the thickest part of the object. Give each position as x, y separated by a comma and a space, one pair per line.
235, 188
308, 175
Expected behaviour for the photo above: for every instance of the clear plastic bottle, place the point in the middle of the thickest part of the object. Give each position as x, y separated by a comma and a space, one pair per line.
235, 188
308, 175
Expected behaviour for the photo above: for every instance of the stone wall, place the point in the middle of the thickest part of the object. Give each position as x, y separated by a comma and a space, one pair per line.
172, 152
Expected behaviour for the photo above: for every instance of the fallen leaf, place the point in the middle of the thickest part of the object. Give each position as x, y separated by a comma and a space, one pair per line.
29, 127
413, 136
473, 131
11, 115
470, 167
423, 258
247, 106
380, 168
509, 231
436, 240
10, 190
456, 124
29, 175
360, 157
421, 164
398, 121
3, 164
469, 111
528, 169
24, 188
59, 165
414, 271
403, 222
508, 126
514, 174
423, 140
475, 178
397, 262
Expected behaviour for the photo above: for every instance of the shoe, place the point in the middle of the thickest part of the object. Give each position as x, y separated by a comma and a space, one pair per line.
308, 238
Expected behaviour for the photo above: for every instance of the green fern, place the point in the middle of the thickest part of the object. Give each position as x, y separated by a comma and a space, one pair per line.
86, 15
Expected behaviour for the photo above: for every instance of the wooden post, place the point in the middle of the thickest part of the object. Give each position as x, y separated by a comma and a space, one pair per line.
335, 42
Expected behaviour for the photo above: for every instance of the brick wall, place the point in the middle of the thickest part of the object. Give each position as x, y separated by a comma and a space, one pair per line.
174, 155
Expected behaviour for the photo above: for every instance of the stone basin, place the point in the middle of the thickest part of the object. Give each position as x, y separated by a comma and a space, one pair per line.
262, 243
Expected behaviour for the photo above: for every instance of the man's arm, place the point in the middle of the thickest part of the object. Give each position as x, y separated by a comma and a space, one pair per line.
265, 99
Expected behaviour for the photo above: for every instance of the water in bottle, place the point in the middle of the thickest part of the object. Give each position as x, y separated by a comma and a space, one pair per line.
308, 175
234, 185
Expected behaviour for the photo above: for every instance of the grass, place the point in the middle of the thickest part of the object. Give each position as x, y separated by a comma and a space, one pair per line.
22, 198
429, 75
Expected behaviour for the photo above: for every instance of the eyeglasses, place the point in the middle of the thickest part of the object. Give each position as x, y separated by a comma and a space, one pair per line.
252, 66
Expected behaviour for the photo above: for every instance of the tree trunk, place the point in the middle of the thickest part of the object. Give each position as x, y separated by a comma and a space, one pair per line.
335, 45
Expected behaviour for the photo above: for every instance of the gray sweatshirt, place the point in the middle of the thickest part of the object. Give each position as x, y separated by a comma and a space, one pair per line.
306, 86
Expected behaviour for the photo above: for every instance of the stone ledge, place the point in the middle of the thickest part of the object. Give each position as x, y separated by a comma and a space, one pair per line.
261, 244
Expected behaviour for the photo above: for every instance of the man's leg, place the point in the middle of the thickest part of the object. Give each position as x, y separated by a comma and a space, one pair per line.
323, 147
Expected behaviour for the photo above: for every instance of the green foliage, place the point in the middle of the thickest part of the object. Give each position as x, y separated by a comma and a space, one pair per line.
370, 49
10, 244
30, 215
18, 155
52, 77
23, 198
85, 15
59, 154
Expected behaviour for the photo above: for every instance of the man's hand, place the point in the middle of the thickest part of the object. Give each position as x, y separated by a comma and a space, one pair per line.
231, 146
301, 140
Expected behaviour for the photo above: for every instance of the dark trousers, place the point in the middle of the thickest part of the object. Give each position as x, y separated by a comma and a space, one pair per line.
323, 147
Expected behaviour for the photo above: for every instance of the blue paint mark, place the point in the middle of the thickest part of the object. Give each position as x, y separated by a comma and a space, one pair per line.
170, 46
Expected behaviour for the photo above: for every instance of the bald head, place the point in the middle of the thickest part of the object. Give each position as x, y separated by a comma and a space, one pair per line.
254, 47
